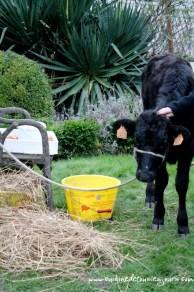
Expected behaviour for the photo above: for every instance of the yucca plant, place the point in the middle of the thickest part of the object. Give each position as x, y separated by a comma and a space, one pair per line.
103, 56
32, 23
2, 35
27, 21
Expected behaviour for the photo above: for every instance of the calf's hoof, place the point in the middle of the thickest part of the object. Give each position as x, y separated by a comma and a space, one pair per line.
183, 231
150, 202
157, 224
183, 236
150, 205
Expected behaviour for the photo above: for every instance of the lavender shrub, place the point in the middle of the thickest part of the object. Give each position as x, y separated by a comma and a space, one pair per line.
106, 113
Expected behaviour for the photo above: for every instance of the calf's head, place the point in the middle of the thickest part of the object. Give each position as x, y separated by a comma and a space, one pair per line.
153, 135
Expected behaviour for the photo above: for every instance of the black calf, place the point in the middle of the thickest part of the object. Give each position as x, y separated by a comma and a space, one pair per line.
159, 140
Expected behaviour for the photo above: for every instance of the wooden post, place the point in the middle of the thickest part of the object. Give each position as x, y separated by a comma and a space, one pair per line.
168, 5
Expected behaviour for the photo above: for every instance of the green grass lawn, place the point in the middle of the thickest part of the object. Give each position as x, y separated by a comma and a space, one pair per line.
161, 254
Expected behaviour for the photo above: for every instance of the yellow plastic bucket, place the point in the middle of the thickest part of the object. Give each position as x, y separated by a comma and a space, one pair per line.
90, 205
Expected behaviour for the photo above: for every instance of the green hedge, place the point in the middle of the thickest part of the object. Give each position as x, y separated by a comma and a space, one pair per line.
77, 138
124, 146
24, 84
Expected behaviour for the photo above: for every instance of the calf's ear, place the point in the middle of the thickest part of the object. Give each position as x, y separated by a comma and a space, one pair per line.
124, 128
179, 135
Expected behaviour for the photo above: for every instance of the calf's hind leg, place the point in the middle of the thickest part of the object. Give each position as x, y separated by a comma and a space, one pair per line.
182, 181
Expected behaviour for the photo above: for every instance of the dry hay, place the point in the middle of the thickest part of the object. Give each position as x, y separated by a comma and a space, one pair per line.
19, 188
50, 242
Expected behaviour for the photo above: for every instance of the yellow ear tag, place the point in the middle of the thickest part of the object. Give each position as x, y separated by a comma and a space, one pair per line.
178, 140
122, 133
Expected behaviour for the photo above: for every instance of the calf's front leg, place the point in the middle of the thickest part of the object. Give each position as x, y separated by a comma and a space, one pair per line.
182, 181
160, 185
150, 195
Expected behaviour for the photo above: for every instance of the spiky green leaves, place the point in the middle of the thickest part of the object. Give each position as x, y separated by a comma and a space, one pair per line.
102, 57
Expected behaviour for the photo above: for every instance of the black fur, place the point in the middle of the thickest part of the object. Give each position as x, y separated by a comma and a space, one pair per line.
165, 78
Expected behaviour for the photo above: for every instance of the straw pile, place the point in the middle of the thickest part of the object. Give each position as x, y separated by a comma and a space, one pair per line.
18, 188
51, 243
